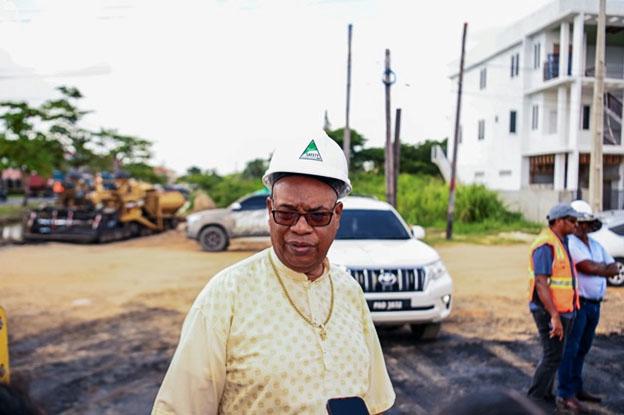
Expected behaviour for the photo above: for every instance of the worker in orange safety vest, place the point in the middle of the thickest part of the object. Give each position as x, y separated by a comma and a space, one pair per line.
553, 296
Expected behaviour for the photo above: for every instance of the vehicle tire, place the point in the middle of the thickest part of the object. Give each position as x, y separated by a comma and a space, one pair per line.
427, 331
617, 280
213, 238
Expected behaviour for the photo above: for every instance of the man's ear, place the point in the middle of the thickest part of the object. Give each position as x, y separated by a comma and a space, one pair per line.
338, 209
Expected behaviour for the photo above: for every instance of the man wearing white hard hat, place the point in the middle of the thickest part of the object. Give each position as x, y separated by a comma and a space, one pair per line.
593, 266
283, 331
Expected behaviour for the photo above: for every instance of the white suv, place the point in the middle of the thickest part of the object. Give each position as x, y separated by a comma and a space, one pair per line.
404, 280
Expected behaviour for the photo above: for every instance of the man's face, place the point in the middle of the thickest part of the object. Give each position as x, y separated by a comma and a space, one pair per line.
569, 225
583, 228
300, 246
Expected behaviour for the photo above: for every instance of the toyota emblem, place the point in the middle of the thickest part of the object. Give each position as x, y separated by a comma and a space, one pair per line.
387, 279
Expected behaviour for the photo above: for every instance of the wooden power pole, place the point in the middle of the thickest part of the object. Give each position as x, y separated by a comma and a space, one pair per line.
397, 154
346, 142
451, 200
595, 161
388, 80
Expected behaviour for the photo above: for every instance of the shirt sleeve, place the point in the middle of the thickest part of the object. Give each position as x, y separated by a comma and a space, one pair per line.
542, 260
195, 379
578, 250
380, 395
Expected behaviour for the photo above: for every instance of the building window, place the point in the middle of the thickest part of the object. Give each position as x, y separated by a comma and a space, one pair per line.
481, 129
512, 122
586, 117
515, 65
479, 174
534, 117
537, 52
552, 122
482, 78
504, 173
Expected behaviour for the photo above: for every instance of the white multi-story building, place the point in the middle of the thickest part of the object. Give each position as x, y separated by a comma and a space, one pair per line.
526, 107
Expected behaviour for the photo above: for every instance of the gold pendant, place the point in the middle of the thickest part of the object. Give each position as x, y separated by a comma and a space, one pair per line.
323, 333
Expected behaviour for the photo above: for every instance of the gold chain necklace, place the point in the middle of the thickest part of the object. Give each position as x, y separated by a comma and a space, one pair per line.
320, 326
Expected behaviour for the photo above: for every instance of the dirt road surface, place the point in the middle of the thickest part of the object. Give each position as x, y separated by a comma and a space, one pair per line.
93, 328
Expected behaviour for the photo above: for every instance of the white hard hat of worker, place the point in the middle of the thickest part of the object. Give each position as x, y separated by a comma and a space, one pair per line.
587, 215
584, 209
311, 155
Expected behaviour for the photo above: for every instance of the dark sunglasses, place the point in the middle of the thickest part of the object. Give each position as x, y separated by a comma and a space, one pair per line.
290, 218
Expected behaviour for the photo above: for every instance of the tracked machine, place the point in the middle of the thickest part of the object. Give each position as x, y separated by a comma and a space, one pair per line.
109, 213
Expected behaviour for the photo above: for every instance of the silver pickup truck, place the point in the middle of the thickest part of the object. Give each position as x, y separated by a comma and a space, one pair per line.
214, 228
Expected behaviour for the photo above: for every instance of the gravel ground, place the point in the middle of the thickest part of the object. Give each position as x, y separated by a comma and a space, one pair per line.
93, 328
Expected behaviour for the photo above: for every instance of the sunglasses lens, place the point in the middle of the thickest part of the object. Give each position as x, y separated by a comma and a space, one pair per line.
285, 218
319, 218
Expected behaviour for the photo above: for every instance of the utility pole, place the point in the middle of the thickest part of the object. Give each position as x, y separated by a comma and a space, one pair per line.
388, 79
397, 154
451, 200
595, 161
346, 142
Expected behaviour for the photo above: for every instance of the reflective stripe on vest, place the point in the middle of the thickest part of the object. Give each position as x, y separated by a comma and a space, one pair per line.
562, 281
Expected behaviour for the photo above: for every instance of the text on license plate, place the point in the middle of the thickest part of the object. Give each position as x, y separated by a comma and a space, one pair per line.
389, 305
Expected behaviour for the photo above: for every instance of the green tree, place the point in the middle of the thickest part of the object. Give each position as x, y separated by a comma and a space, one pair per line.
255, 169
416, 159
123, 149
356, 145
62, 117
193, 170
145, 172
23, 145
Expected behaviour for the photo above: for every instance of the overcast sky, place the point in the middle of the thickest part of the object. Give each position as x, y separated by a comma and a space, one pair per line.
218, 83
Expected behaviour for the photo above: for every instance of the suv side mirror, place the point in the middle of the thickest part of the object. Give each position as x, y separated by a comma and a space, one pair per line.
236, 206
418, 232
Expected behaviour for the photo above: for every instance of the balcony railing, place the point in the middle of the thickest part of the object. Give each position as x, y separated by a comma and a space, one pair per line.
614, 71
551, 66
612, 126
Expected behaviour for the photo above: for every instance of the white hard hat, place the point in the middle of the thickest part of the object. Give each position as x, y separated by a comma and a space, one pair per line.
583, 208
311, 155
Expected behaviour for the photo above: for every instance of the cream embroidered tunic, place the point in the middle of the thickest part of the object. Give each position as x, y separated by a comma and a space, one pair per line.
245, 350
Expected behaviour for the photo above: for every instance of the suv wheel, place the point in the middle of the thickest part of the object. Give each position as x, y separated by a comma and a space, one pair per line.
617, 280
213, 238
427, 331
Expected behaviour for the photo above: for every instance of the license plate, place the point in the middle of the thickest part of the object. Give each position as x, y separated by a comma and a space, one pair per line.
389, 305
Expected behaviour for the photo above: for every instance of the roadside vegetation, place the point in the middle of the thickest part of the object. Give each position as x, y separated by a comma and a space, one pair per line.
480, 216
11, 213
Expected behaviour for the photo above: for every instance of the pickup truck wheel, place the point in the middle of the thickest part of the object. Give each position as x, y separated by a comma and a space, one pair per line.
213, 238
617, 280
427, 331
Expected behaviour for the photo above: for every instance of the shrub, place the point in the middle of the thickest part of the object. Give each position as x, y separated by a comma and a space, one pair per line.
423, 200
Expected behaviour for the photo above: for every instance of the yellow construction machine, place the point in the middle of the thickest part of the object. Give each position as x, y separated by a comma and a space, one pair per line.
5, 372
126, 209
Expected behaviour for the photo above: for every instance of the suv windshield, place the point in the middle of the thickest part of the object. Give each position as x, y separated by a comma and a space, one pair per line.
370, 224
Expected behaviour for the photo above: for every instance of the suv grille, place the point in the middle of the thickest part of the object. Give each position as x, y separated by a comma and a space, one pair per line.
389, 280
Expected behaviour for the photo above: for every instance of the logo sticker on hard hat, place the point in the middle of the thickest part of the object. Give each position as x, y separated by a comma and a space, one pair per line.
311, 153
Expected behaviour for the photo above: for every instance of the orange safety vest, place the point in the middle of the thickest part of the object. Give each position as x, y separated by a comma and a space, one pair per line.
562, 282
57, 187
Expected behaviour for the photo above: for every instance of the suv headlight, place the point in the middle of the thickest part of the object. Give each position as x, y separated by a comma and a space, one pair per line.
192, 218
435, 270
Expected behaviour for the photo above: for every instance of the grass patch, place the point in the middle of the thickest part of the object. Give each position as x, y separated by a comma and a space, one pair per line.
10, 213
479, 213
